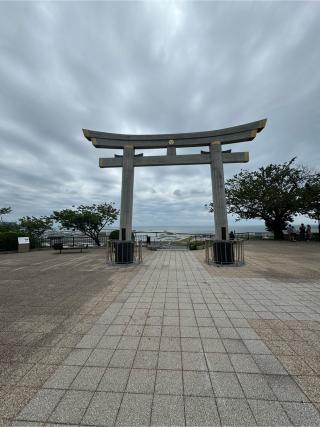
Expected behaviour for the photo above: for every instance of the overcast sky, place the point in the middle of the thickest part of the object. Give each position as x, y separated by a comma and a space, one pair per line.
154, 67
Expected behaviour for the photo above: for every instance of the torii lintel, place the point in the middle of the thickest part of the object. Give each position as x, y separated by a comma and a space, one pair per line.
231, 135
174, 160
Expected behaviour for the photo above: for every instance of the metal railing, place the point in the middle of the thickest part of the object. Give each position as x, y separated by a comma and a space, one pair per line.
167, 245
156, 237
70, 241
224, 252
123, 252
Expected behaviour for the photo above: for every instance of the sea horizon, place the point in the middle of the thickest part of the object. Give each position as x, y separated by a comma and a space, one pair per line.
197, 229
206, 229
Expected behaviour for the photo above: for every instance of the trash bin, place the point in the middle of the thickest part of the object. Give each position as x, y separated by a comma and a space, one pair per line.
124, 252
223, 252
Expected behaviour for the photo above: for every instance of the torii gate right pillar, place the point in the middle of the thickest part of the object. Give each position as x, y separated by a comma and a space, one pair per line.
127, 194
218, 192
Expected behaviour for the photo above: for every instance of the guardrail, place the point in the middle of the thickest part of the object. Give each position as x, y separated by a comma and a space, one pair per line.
157, 236
71, 241
172, 246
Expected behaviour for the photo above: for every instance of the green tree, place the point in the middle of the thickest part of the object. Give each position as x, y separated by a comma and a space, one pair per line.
5, 211
311, 199
35, 227
90, 220
7, 226
273, 193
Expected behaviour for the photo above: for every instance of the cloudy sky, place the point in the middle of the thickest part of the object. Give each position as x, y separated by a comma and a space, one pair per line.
149, 67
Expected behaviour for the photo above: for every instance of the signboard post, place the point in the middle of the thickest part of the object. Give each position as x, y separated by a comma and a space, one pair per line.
23, 244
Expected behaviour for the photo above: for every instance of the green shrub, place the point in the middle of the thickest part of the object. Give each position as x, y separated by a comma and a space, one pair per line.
8, 241
9, 226
192, 246
114, 235
197, 244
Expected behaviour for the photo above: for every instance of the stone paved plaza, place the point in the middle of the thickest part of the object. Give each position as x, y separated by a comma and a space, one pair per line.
175, 342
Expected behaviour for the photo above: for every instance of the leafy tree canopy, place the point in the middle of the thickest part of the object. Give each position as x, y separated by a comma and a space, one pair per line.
5, 211
9, 226
311, 198
90, 220
35, 227
273, 193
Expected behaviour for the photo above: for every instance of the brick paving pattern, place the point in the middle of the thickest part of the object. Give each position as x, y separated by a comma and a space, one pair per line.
180, 345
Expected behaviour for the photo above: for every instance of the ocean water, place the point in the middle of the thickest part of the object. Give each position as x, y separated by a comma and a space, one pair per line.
200, 229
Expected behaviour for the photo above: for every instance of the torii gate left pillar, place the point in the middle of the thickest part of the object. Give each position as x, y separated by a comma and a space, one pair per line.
127, 193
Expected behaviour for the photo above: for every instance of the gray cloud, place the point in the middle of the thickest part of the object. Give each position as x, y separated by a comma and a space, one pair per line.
153, 67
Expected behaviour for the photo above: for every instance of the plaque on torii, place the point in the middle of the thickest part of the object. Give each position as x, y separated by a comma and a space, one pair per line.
214, 157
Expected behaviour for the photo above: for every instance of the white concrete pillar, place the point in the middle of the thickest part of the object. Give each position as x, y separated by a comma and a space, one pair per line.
127, 193
218, 192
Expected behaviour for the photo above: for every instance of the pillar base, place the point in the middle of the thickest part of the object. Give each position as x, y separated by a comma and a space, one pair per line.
124, 252
223, 252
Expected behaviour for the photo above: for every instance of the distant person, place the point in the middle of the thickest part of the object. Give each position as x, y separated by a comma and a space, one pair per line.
291, 232
302, 232
231, 235
294, 233
308, 232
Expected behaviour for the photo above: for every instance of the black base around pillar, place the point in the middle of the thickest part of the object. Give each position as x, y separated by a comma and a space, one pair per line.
223, 252
124, 251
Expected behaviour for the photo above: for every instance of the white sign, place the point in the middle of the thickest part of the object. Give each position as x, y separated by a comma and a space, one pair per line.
23, 240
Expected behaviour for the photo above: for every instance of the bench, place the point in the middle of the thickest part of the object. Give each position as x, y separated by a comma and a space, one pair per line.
60, 247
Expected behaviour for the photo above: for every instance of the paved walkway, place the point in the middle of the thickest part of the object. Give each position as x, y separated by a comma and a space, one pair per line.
181, 346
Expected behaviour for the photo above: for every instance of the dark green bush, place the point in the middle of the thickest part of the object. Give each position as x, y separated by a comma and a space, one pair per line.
8, 241
192, 246
9, 226
197, 244
114, 235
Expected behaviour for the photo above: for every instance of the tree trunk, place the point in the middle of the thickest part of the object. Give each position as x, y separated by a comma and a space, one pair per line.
96, 239
278, 233
276, 226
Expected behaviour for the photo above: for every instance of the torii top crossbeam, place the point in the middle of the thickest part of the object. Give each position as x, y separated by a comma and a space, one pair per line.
231, 135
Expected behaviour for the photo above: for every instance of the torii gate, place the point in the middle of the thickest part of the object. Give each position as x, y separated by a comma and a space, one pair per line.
215, 157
